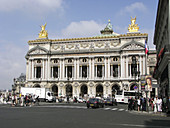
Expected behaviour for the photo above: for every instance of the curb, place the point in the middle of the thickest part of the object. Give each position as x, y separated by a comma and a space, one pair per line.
149, 113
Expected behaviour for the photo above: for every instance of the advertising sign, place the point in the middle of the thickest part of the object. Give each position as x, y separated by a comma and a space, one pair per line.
148, 86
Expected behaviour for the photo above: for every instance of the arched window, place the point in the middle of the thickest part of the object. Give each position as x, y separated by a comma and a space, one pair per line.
69, 60
99, 59
84, 60
38, 61
55, 61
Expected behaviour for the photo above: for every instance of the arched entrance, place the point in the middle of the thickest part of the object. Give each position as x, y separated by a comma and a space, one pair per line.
69, 90
55, 90
115, 89
37, 86
83, 90
99, 90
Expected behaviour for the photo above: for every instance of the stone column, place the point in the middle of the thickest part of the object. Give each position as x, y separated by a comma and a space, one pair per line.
87, 71
52, 70
140, 65
46, 70
43, 69
75, 60
108, 67
130, 70
105, 67
144, 65
78, 68
93, 68
29, 69
96, 71
63, 69
102, 71
118, 70
60, 69
121, 66
33, 69
66, 71
111, 70
41, 72
90, 67
127, 67
72, 71
49, 69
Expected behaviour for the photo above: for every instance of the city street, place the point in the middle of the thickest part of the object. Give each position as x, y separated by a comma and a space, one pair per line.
77, 116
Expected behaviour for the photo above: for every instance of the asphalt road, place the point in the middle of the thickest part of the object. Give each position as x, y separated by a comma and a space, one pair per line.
77, 116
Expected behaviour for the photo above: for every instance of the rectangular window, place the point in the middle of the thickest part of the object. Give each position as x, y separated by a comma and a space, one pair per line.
84, 71
99, 70
38, 72
115, 70
55, 72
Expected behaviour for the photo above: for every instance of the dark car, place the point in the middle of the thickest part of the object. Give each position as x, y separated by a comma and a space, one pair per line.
110, 101
95, 103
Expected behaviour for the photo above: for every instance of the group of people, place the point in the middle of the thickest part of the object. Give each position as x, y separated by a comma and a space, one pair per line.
156, 104
27, 100
137, 104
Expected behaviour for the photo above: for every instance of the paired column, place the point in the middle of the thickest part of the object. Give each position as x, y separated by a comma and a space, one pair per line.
108, 67
33, 69
127, 59
90, 72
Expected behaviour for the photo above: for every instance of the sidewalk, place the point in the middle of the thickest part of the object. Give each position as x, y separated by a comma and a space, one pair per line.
149, 113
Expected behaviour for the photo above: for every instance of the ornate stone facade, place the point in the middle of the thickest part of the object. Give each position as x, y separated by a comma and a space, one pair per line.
94, 66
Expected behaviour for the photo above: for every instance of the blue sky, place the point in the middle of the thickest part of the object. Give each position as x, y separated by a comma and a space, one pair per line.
21, 20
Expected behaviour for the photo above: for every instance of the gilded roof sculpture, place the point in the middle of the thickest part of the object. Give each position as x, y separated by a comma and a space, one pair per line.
133, 27
43, 34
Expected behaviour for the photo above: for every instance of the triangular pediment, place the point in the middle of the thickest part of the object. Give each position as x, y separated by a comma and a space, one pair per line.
132, 46
37, 50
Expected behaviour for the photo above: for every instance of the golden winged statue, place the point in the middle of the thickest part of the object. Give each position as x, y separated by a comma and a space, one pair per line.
133, 27
43, 33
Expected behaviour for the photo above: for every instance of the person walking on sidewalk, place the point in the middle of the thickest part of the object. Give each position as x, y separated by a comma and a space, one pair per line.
139, 104
155, 104
159, 102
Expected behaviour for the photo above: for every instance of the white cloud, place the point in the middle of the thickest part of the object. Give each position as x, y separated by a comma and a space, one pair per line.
36, 6
82, 29
12, 62
137, 6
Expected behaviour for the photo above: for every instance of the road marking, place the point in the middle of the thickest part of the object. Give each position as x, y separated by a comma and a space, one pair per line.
107, 108
114, 109
62, 106
121, 109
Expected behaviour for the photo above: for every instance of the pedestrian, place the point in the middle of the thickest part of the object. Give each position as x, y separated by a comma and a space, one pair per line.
155, 104
22, 100
152, 104
139, 104
159, 102
164, 103
13, 100
37, 100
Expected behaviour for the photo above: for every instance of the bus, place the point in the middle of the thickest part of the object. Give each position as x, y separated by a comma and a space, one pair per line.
123, 96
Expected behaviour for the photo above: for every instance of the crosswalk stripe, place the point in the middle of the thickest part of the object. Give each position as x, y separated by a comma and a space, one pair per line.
114, 109
107, 108
121, 109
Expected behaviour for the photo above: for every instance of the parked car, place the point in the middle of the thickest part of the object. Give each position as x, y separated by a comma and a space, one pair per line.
95, 103
110, 101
